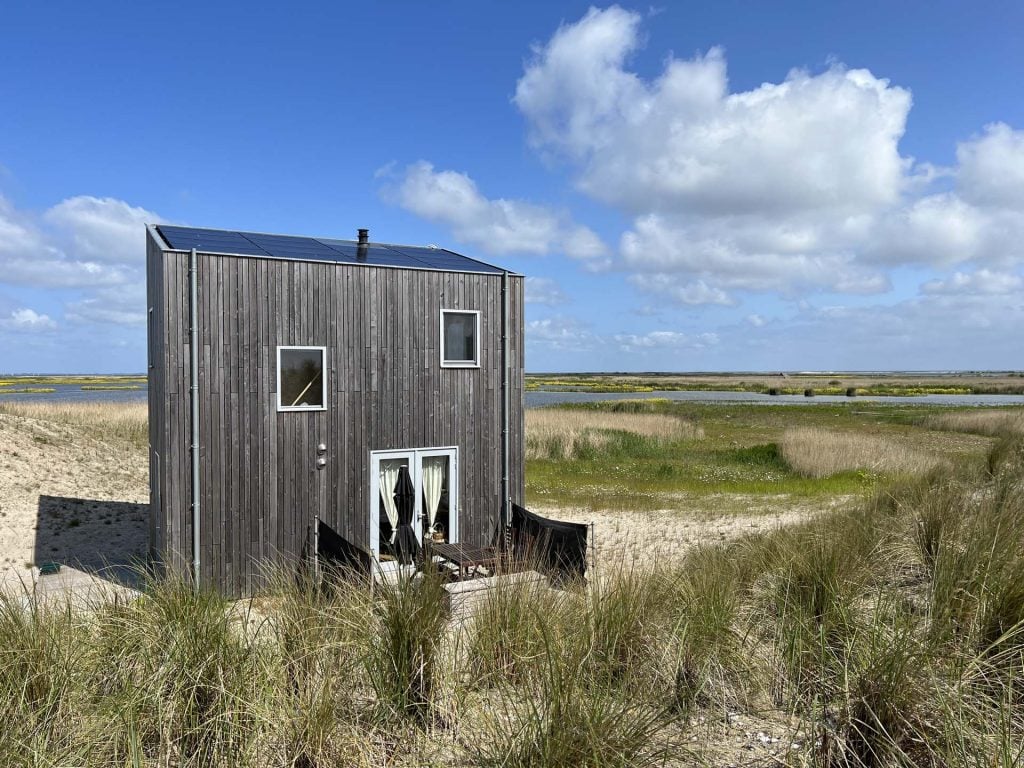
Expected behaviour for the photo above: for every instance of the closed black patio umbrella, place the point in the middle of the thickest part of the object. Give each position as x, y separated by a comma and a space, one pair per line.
407, 544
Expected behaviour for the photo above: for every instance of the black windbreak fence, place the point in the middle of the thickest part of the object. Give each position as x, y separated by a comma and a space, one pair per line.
335, 552
554, 546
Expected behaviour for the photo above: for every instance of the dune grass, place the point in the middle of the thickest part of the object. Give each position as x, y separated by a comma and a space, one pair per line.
125, 423
880, 645
890, 633
885, 647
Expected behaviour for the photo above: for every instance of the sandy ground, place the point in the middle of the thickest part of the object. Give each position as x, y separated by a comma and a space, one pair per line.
67, 497
637, 537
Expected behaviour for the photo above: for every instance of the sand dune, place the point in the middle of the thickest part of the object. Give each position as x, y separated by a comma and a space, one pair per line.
69, 496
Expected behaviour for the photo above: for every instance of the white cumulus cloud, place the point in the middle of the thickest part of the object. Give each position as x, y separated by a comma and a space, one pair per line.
983, 282
543, 290
991, 167
26, 319
102, 230
667, 253
88, 252
495, 226
687, 293
665, 340
79, 243
791, 188
563, 333
682, 141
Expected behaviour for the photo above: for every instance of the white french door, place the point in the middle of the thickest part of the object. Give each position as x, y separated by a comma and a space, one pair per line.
434, 473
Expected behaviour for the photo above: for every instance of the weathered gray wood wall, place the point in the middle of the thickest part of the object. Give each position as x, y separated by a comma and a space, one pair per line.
156, 326
385, 390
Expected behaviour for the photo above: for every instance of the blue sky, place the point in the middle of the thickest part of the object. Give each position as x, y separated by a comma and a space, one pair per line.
692, 186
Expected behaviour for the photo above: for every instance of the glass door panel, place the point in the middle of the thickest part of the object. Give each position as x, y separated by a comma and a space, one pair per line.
434, 475
435, 501
387, 512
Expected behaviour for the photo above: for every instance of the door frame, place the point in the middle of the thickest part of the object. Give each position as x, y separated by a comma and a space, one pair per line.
415, 456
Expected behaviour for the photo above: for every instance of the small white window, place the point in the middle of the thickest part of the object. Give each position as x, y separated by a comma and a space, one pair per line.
460, 338
301, 383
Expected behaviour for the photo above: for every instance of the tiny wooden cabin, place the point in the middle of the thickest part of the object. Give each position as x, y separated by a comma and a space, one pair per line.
291, 378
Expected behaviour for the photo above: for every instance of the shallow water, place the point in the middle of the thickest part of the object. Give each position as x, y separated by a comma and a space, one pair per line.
73, 393
66, 393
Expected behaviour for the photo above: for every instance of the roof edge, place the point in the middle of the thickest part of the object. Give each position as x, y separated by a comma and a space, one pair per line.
165, 246
158, 238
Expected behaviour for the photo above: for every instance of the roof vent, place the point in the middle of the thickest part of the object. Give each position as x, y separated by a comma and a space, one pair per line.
364, 241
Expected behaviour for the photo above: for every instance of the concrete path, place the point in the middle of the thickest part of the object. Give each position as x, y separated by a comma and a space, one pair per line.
70, 586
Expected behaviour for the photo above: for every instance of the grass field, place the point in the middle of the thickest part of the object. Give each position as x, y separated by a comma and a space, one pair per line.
78, 381
851, 384
887, 633
556, 433
817, 452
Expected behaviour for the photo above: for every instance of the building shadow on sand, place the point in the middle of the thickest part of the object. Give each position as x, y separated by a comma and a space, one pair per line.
107, 539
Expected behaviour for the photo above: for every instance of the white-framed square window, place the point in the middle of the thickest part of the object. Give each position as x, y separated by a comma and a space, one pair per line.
301, 378
460, 338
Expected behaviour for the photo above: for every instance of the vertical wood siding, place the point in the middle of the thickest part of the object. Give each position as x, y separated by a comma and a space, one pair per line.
385, 390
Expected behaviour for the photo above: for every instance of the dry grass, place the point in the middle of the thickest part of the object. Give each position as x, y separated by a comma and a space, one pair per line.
980, 422
106, 421
815, 452
559, 432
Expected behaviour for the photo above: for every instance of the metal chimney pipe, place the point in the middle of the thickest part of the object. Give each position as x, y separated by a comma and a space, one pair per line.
364, 241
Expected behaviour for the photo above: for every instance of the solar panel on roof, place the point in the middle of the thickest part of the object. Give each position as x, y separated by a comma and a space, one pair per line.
286, 246
346, 248
214, 240
319, 249
439, 258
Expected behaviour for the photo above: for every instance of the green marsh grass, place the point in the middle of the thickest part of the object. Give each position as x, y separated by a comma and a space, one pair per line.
729, 449
793, 384
819, 620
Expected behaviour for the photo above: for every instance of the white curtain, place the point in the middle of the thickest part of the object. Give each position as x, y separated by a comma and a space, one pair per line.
433, 483
388, 481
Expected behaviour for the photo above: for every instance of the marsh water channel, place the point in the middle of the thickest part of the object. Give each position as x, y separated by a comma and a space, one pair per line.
68, 393
73, 393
